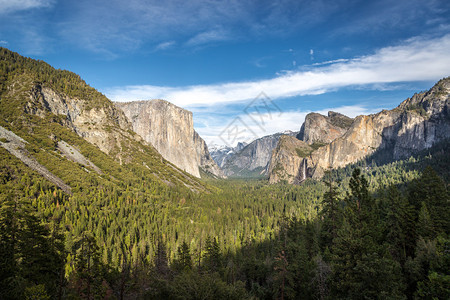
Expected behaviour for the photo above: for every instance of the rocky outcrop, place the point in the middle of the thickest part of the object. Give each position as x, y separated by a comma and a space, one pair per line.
74, 155
321, 129
288, 161
102, 125
207, 163
416, 124
253, 158
170, 130
16, 146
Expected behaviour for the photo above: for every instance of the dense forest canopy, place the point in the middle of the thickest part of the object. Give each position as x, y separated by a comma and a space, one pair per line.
382, 230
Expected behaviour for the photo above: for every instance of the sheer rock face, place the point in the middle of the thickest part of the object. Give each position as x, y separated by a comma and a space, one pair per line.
104, 126
416, 124
288, 161
206, 161
254, 156
170, 130
323, 129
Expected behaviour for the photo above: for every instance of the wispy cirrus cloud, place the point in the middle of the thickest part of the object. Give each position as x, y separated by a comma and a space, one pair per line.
209, 36
389, 14
165, 45
11, 6
416, 59
116, 27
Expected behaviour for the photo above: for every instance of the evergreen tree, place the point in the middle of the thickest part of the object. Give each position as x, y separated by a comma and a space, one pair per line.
399, 225
425, 227
330, 211
31, 258
212, 256
184, 259
88, 277
161, 261
430, 188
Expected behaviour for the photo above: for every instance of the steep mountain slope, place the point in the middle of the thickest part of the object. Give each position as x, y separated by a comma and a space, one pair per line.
55, 111
253, 159
416, 124
207, 163
170, 129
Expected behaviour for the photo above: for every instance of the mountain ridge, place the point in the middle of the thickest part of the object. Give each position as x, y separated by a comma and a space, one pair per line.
415, 124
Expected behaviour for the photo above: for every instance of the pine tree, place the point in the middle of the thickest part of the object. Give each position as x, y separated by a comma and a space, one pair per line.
88, 276
212, 256
30, 255
430, 188
330, 212
161, 261
399, 225
184, 259
425, 227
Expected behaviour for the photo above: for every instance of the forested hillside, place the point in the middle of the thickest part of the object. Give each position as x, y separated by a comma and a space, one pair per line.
245, 239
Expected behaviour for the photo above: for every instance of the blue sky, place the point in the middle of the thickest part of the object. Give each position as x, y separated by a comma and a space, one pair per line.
215, 57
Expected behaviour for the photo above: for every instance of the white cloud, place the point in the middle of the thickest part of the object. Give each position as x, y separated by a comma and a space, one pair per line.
416, 59
340, 60
165, 45
9, 6
208, 37
3, 43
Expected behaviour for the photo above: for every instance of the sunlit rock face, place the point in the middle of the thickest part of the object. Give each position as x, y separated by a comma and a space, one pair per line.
102, 125
170, 130
253, 158
416, 124
323, 129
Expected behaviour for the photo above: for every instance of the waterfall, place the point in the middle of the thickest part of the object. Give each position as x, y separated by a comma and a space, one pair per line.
304, 169
302, 175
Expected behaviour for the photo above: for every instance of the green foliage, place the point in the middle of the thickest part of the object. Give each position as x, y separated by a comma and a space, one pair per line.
205, 286
13, 65
317, 145
183, 262
32, 255
302, 152
36, 292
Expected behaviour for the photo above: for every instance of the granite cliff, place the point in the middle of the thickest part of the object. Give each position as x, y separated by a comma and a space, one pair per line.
321, 129
416, 124
253, 159
286, 162
170, 130
102, 125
